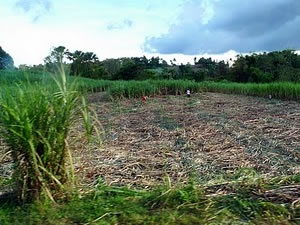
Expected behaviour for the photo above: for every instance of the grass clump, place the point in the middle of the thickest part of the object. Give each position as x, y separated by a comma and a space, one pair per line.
34, 123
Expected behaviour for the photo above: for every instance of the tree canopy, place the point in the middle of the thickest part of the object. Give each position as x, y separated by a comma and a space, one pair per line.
86, 64
267, 67
57, 56
6, 61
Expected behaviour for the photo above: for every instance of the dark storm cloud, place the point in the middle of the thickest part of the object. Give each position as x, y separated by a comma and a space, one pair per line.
217, 26
35, 8
119, 26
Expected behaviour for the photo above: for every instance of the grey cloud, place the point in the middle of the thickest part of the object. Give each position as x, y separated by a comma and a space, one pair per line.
119, 26
243, 26
35, 8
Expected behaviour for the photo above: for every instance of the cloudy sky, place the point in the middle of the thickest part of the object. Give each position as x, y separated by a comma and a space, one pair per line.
168, 28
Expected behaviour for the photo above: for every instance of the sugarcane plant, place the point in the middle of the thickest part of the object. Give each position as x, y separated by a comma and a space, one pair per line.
35, 121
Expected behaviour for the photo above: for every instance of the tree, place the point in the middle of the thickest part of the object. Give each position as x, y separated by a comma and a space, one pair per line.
138, 68
128, 71
210, 69
170, 73
56, 57
267, 67
223, 69
86, 64
112, 66
154, 62
195, 60
240, 70
6, 61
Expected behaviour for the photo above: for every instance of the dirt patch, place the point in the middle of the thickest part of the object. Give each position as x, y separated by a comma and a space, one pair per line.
179, 137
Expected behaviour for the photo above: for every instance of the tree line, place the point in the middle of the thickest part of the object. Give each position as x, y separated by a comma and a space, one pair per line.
267, 67
257, 68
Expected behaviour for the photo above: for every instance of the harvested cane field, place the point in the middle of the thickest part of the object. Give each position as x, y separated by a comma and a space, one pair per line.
176, 138
208, 159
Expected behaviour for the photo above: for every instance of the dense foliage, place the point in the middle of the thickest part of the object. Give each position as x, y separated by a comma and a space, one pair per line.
255, 68
137, 68
6, 61
267, 67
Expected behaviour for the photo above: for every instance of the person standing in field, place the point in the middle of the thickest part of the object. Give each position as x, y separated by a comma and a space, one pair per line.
188, 92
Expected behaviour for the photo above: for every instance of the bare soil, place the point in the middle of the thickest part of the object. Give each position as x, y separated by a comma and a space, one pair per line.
176, 138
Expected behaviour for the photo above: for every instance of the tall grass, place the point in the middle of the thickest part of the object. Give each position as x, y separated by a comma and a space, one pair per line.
35, 121
133, 89
280, 90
